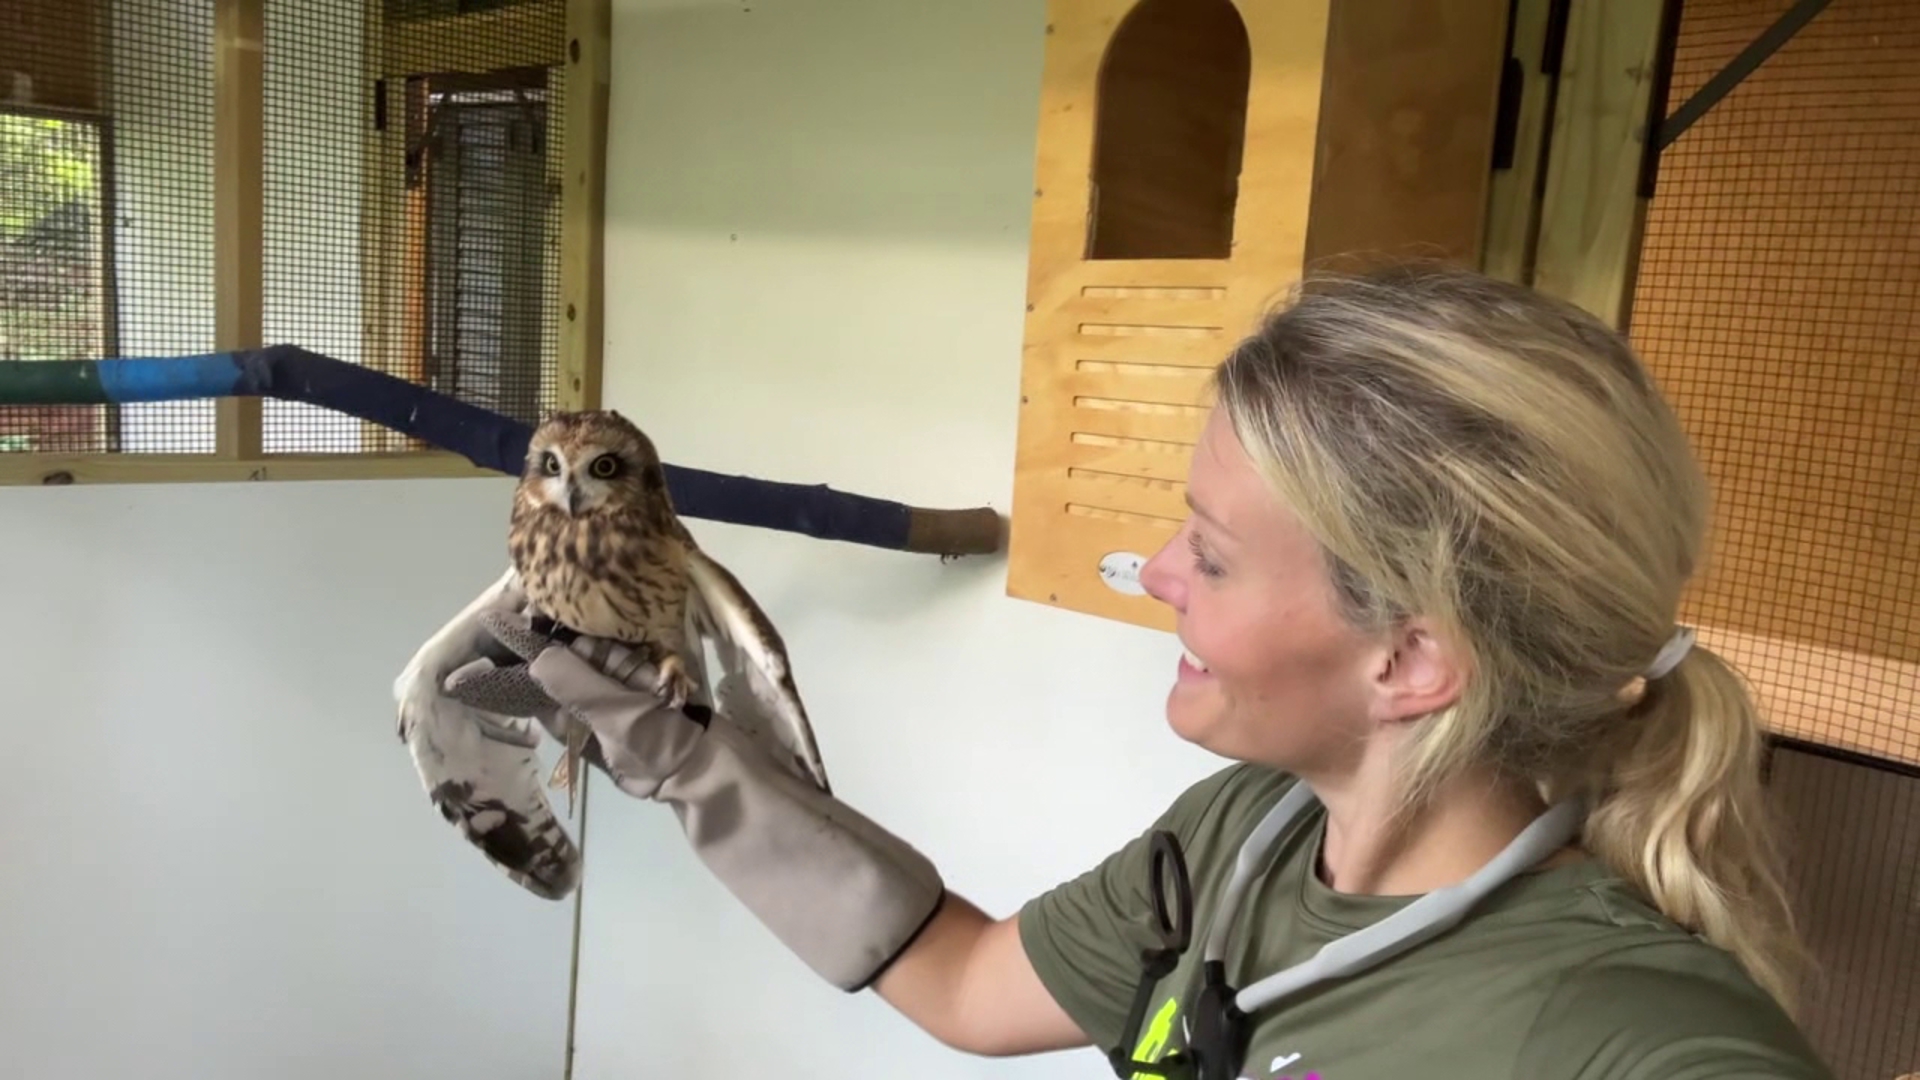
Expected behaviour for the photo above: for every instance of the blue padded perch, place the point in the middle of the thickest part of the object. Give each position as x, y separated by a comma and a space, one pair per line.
488, 439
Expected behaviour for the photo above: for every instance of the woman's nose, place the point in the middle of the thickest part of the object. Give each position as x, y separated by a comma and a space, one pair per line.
1160, 577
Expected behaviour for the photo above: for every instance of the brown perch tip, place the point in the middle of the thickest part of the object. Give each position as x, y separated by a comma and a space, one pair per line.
980, 531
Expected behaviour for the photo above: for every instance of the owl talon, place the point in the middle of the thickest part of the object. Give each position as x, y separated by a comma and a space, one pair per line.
566, 771
674, 683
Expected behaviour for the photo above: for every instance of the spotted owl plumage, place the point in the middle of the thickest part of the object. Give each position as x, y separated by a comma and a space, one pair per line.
596, 547
595, 539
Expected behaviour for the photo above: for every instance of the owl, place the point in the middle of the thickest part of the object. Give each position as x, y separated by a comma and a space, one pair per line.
599, 550
595, 540
595, 547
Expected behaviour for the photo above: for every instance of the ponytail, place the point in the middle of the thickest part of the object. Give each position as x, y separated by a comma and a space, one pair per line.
1683, 816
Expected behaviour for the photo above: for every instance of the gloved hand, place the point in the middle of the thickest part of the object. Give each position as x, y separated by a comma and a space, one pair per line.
843, 894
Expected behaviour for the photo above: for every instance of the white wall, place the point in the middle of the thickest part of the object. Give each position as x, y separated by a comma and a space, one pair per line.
216, 862
818, 216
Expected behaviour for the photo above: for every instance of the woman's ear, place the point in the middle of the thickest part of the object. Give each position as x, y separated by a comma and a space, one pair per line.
1419, 674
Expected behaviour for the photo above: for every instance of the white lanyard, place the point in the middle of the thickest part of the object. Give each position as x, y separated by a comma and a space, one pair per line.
1404, 929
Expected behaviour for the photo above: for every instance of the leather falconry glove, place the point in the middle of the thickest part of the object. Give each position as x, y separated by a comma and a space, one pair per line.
843, 894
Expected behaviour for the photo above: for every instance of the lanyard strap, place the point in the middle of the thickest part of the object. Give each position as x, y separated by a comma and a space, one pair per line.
1412, 925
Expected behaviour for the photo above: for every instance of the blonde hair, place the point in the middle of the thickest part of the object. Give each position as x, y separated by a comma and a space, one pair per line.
1500, 463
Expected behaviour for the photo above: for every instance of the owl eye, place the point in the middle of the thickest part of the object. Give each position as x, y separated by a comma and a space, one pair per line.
550, 463
604, 466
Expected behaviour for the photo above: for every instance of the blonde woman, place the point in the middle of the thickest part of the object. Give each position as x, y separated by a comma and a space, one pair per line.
1440, 529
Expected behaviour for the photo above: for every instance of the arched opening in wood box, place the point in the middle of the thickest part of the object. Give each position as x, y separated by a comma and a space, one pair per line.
1170, 128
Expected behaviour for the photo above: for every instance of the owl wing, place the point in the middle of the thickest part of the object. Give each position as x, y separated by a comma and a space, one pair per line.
479, 769
747, 643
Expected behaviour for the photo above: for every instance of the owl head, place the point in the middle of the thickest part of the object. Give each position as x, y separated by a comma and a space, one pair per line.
584, 462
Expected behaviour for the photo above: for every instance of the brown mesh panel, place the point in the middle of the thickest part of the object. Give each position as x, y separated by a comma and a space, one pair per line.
1776, 300
1855, 851
106, 208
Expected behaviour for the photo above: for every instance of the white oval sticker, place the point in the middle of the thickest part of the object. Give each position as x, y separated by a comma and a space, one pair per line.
1121, 571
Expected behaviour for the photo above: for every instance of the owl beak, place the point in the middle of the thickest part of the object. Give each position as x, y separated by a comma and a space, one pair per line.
573, 500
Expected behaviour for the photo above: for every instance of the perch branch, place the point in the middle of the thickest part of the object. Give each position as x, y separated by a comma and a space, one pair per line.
488, 439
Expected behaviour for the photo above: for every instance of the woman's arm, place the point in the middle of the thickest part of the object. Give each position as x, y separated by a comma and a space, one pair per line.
966, 981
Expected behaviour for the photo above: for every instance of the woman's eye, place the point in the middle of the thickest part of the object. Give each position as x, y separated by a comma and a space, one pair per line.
1200, 561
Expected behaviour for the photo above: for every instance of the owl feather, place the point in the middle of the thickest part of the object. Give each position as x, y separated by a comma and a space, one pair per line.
596, 548
481, 770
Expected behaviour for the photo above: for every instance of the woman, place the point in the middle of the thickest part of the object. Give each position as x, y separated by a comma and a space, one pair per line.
1440, 529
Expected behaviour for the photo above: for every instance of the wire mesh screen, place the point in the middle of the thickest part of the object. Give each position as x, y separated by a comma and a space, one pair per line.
410, 165
106, 208
1776, 299
412, 201
315, 115
1854, 845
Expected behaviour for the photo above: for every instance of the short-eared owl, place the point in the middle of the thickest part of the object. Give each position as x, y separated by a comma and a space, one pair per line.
597, 549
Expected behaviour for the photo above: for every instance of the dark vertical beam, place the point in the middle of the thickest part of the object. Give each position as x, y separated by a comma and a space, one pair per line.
1769, 42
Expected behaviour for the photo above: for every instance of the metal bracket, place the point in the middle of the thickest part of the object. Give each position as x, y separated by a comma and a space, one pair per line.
1769, 42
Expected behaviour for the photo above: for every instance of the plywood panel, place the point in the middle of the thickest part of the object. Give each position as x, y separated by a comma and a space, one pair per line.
1365, 124
1405, 147
1512, 195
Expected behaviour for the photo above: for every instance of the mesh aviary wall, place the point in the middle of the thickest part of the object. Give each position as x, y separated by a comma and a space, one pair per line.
1778, 301
1853, 828
1775, 298
1735, 181
383, 182
107, 196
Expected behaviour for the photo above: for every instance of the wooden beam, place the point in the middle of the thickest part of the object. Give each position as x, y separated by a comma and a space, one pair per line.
1593, 208
524, 35
586, 76
385, 330
53, 470
1513, 196
238, 174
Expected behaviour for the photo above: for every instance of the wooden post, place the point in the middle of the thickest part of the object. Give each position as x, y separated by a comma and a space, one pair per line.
1593, 207
1513, 196
238, 174
583, 203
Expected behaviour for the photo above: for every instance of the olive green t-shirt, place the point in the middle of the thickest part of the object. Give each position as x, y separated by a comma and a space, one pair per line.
1561, 974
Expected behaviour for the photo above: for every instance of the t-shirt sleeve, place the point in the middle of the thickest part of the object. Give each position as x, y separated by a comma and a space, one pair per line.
1641, 1018
1085, 936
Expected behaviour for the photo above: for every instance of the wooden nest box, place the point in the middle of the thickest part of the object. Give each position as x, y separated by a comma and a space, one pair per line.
1193, 158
